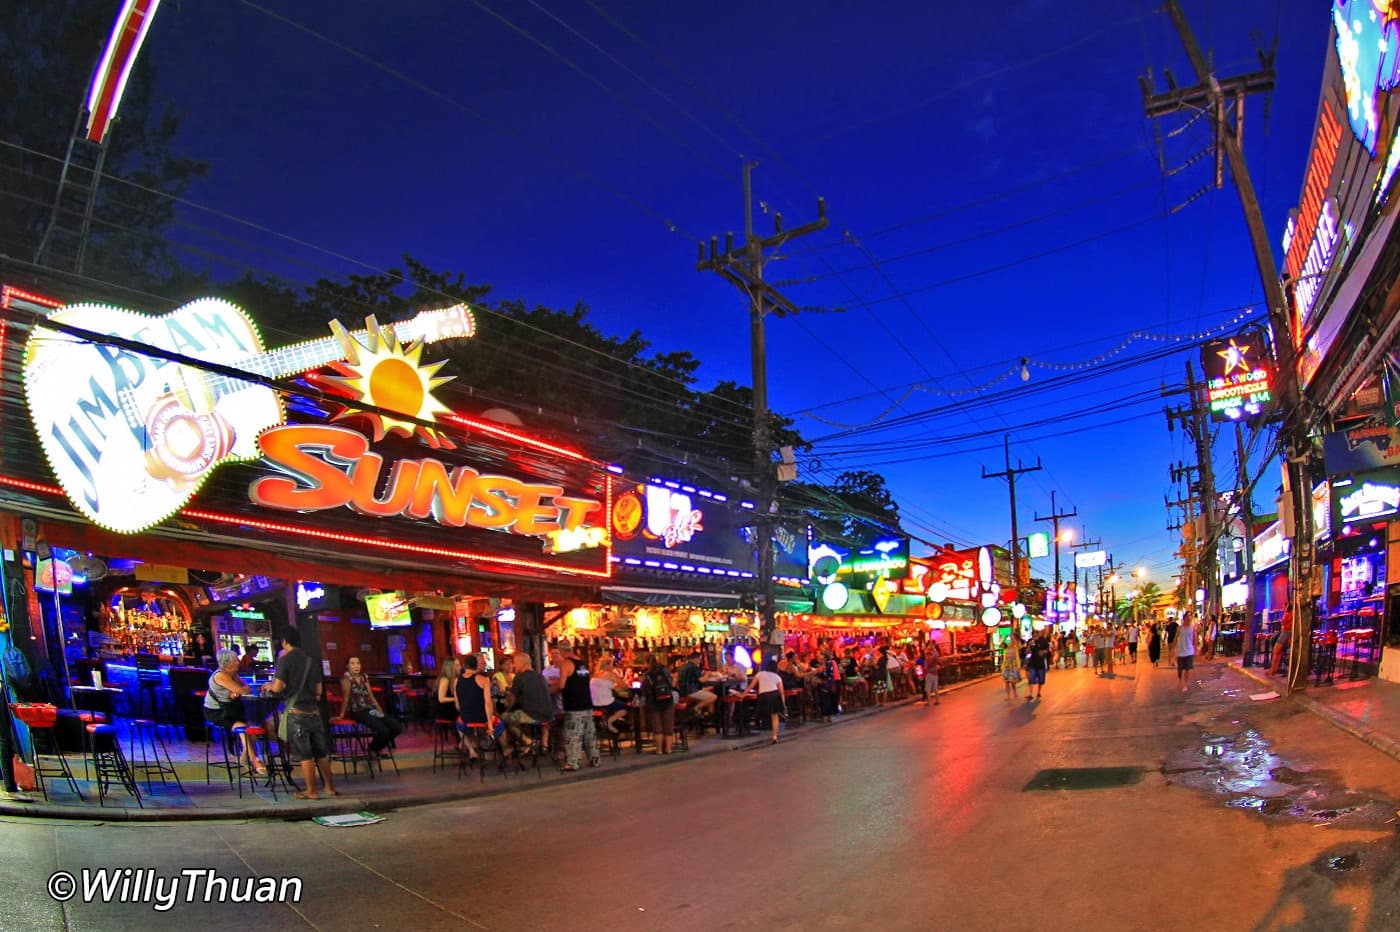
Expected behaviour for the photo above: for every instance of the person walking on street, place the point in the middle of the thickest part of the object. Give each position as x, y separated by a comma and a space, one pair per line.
1133, 633
1185, 651
932, 655
767, 685
1154, 644
1037, 663
1011, 665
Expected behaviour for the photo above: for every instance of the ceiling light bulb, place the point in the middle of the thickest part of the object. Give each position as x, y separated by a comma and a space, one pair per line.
1025, 370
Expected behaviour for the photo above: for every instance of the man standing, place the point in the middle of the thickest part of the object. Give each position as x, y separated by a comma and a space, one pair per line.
296, 680
1133, 633
1108, 638
1037, 662
1282, 640
932, 655
1171, 637
1185, 651
580, 737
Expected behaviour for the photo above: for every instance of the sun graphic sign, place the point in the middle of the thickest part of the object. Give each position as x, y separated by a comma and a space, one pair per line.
1239, 376
381, 373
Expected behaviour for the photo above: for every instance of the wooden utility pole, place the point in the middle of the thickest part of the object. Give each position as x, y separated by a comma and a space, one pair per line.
1224, 99
1182, 474
743, 267
1054, 518
1247, 516
1010, 474
1084, 544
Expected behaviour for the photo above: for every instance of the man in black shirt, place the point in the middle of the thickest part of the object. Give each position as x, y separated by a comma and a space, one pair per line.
296, 679
530, 702
1037, 662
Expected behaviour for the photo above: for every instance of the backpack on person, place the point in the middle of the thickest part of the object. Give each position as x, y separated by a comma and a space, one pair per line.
659, 687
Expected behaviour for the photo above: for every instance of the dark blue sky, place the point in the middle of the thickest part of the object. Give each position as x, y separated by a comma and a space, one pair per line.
579, 151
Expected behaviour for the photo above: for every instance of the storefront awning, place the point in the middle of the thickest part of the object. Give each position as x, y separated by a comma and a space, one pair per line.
678, 598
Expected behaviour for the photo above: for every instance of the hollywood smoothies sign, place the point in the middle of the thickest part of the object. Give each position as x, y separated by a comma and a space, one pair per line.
162, 406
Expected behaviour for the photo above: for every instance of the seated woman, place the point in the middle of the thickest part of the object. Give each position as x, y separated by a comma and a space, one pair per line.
222, 708
473, 704
358, 702
445, 693
605, 687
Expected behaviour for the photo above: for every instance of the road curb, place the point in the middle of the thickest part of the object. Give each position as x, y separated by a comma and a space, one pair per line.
1381, 742
293, 810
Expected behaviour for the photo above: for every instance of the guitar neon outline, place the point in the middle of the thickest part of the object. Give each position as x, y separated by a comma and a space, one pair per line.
132, 438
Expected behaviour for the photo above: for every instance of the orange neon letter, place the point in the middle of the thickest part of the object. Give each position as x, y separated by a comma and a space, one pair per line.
573, 511
446, 499
493, 506
315, 482
364, 476
535, 519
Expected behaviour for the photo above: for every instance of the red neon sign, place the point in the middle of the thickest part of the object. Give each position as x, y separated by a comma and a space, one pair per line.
123, 45
331, 467
295, 530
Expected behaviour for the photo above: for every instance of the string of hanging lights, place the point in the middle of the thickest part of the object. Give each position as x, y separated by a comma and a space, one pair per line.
1022, 369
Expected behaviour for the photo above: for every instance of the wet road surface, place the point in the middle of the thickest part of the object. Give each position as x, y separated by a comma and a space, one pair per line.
1203, 811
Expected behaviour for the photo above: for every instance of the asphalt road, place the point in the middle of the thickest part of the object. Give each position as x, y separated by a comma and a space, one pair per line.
917, 818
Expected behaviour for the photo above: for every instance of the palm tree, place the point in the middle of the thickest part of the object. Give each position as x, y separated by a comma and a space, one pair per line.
1138, 603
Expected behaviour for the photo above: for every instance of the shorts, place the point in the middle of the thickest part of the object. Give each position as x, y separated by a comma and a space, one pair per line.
306, 736
931, 681
662, 719
518, 718
1035, 677
702, 695
1185, 663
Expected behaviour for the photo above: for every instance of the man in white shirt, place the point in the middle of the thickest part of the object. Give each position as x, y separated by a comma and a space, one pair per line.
1185, 651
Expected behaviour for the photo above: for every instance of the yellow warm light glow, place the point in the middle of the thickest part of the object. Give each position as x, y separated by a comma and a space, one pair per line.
581, 619
1066, 535
648, 624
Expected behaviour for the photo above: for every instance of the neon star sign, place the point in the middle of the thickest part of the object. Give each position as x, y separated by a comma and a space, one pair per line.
1239, 376
1235, 357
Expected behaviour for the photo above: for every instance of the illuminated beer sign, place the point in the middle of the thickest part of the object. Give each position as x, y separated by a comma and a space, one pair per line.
1239, 376
1365, 497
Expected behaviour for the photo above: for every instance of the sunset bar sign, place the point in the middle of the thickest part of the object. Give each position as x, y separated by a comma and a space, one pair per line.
325, 467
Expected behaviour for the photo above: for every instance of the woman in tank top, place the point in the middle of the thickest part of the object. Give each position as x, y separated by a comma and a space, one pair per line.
473, 703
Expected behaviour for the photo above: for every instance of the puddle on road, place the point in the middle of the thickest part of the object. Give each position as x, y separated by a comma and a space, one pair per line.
1238, 764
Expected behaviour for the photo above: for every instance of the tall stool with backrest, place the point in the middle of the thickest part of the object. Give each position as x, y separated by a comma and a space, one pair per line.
41, 719
109, 763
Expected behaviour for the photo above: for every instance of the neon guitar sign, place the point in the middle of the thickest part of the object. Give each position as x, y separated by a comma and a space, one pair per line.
131, 437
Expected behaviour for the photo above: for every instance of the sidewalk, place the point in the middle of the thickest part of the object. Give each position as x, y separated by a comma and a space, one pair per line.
415, 785
1367, 708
